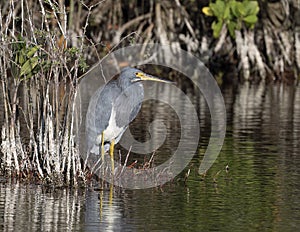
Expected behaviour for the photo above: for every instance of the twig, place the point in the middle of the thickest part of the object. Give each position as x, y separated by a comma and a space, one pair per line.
125, 162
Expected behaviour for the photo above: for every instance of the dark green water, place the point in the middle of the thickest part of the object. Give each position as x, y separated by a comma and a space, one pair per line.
259, 192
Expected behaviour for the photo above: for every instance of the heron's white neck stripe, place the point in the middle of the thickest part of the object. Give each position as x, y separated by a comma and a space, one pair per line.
112, 131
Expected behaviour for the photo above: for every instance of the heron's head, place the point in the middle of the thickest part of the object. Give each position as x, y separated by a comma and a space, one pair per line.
133, 75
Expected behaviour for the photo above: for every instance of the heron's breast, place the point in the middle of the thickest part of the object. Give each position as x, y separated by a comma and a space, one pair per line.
112, 131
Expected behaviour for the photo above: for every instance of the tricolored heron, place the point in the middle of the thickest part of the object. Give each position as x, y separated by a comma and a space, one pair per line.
112, 108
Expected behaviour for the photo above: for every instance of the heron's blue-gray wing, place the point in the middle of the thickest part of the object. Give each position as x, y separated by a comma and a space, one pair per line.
97, 117
129, 104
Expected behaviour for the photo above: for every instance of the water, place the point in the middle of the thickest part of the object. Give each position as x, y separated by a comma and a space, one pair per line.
259, 192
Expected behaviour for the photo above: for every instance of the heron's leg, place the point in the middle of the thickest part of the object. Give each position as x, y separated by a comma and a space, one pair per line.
111, 153
102, 146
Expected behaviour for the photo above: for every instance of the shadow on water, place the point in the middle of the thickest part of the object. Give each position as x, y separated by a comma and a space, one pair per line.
259, 190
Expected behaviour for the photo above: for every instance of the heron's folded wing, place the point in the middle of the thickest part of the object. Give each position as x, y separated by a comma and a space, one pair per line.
97, 117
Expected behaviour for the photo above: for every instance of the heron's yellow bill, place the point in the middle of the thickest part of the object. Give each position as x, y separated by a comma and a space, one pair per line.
147, 77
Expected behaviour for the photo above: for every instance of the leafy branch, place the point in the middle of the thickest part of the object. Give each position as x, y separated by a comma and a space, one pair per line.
233, 14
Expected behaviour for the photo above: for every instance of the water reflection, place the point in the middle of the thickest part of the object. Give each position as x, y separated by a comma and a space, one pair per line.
261, 190
262, 148
33, 208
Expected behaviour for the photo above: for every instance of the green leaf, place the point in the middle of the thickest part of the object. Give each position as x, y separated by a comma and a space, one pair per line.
217, 28
240, 8
28, 66
251, 7
252, 19
227, 12
32, 51
231, 28
15, 70
217, 8
21, 56
233, 8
